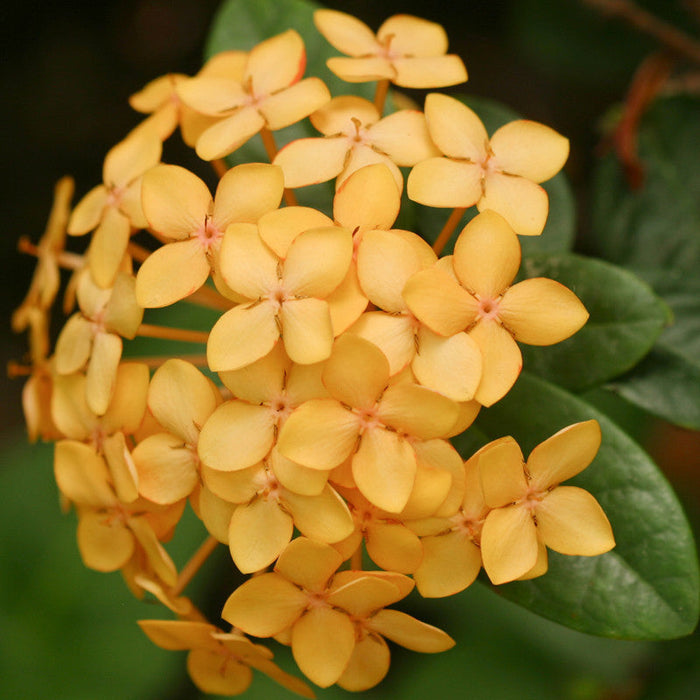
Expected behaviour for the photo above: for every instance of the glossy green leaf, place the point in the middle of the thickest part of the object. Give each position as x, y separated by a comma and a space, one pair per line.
559, 231
656, 226
626, 317
645, 588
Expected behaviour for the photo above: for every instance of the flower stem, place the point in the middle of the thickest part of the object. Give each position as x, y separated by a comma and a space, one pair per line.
166, 333
155, 361
194, 564
380, 94
65, 259
210, 298
450, 225
356, 559
268, 140
220, 167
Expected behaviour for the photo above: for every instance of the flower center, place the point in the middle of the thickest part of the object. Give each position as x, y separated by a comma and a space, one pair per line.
209, 235
488, 308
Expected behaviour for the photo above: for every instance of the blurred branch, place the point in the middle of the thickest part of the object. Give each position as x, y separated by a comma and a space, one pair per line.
637, 17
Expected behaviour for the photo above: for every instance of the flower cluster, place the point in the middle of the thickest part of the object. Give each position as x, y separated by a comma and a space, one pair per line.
313, 427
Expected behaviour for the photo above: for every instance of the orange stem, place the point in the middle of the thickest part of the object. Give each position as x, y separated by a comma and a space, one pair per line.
356, 559
450, 225
166, 333
220, 166
268, 140
137, 252
380, 94
209, 297
155, 361
194, 564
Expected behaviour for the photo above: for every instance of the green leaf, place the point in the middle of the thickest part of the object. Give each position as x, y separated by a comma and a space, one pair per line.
667, 382
645, 588
559, 231
656, 226
626, 317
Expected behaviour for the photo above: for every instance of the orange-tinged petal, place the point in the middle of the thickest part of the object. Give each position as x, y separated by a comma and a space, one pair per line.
237, 435
384, 469
451, 366
541, 311
346, 33
441, 182
363, 155
356, 372
413, 36
123, 314
487, 255
296, 478
69, 409
212, 94
429, 71
130, 158
571, 521
317, 261
246, 192
227, 135
529, 149
320, 434
341, 113
308, 563
361, 70
456, 129
294, 103
368, 198
368, 664
107, 246
417, 411
312, 160
501, 466
393, 334
564, 455
176, 635
508, 543
171, 273
451, 563
217, 674
501, 361
82, 475
214, 512
280, 227
275, 63
346, 302
409, 632
103, 546
433, 484
393, 547
101, 374
324, 517
121, 467
167, 470
88, 211
261, 381
235, 487
242, 335
73, 345
307, 330
258, 533
521, 202
437, 300
322, 644
157, 557
362, 593
541, 565
181, 398
265, 605
404, 137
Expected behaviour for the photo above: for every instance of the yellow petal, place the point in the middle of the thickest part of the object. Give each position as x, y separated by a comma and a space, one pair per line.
409, 632
501, 361
280, 227
361, 70
246, 192
175, 201
394, 547
181, 398
362, 156
356, 372
265, 605
300, 480
307, 330
294, 103
236, 435
121, 467
322, 644
529, 149
242, 335
487, 255
450, 366
82, 475
138, 152
361, 593
438, 301
441, 182
455, 128
564, 455
324, 517
212, 94
346, 33
571, 521
258, 533
275, 63
312, 160
156, 555
69, 408
227, 135
88, 211
107, 246
214, 512
451, 563
320, 434
177, 635
404, 137
101, 374
501, 466
508, 543
171, 273
368, 664
308, 563
73, 345
103, 546
429, 71
541, 311
413, 36
394, 335
417, 411
346, 302
123, 314
522, 203
218, 674
234, 487
337, 116
261, 381
437, 477
384, 469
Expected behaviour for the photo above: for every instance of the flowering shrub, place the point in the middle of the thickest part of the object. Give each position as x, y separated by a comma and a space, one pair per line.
323, 426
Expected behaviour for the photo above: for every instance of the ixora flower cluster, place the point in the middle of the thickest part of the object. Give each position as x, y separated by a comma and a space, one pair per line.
312, 438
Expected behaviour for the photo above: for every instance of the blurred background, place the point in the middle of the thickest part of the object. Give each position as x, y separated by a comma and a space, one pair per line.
67, 73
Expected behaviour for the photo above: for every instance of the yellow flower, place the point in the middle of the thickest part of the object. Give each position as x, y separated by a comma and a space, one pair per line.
472, 292
501, 173
269, 95
113, 208
355, 135
408, 51
334, 621
218, 662
530, 508
178, 206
